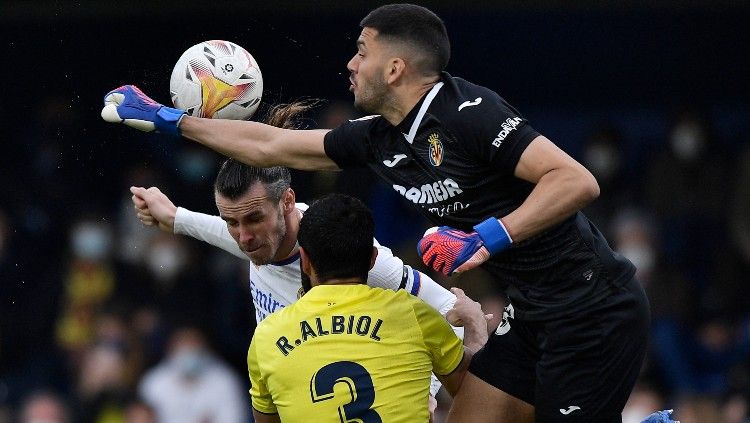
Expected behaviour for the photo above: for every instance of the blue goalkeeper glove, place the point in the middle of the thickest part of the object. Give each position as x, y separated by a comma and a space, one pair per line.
449, 250
131, 106
660, 417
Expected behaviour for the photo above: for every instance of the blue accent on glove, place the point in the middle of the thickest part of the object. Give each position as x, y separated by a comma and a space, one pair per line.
168, 120
494, 235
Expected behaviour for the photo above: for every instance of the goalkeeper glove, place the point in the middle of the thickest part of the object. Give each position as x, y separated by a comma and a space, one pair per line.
129, 105
449, 250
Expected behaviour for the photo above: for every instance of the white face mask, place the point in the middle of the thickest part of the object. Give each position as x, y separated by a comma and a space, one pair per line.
191, 363
90, 241
687, 141
642, 256
165, 261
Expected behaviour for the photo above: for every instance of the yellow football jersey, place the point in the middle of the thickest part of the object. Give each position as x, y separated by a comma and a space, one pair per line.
350, 353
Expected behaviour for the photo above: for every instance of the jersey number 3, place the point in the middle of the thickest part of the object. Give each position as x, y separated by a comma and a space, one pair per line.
360, 386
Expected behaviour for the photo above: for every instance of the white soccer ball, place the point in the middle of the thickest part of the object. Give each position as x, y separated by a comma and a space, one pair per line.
216, 79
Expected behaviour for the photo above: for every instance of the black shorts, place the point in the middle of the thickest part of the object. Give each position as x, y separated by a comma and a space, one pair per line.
577, 368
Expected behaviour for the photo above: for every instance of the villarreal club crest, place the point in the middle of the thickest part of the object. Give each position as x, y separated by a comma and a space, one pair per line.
436, 149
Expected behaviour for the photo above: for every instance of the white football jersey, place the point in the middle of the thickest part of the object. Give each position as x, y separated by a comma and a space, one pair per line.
274, 286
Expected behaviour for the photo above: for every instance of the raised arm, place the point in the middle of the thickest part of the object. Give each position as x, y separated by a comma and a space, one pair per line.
252, 143
260, 145
154, 208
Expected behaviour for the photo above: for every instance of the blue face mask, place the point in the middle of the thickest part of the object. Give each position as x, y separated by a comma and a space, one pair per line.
191, 363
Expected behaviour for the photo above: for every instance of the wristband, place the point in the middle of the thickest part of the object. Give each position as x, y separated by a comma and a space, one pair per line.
494, 235
167, 120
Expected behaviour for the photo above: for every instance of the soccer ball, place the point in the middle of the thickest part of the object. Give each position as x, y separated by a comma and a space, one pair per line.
216, 79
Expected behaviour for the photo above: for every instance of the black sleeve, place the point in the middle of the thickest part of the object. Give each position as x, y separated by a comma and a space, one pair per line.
348, 144
498, 134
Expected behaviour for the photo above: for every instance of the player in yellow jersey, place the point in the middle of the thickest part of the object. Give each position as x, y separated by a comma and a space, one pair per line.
346, 352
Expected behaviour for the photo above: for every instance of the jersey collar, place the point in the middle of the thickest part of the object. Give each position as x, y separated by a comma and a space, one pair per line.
288, 260
413, 125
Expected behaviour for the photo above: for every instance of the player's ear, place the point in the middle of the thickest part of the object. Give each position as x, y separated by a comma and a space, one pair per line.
288, 199
304, 262
395, 70
374, 257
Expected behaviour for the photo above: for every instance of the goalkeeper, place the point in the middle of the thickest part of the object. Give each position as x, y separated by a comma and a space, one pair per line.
574, 332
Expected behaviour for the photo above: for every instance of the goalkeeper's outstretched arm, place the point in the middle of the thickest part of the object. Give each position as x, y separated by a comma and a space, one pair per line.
253, 143
260, 145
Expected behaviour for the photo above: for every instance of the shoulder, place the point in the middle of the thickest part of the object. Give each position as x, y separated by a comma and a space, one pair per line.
274, 321
390, 296
362, 125
457, 94
461, 101
401, 298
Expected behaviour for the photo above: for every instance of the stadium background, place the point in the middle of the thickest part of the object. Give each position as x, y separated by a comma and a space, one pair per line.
651, 96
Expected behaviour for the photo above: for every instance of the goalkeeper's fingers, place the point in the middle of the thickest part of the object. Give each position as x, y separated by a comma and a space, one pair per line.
111, 113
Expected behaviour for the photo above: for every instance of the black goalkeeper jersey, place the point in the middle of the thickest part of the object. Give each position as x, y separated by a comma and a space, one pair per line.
454, 157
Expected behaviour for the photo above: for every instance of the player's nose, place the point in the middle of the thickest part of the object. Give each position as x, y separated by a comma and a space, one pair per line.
246, 236
351, 66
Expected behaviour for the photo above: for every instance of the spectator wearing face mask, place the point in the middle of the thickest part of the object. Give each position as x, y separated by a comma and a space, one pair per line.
603, 155
686, 188
89, 283
693, 348
670, 295
177, 283
192, 385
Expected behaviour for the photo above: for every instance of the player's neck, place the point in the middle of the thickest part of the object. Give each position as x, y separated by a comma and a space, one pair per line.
289, 245
341, 281
405, 98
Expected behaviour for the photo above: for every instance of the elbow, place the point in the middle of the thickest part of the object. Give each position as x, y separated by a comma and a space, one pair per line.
263, 156
588, 188
592, 189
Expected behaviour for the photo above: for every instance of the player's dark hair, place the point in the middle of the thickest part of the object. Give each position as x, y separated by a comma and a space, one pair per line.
235, 178
336, 233
414, 26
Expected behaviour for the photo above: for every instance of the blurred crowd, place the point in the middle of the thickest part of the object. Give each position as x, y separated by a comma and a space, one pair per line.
103, 320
